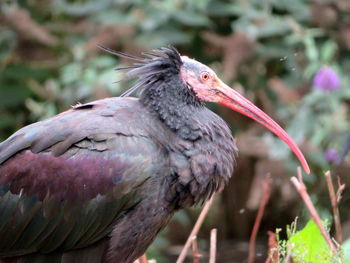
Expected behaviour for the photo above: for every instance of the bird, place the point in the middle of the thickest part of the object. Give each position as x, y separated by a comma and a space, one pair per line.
97, 182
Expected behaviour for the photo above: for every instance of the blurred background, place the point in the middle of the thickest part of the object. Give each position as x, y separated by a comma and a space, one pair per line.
291, 58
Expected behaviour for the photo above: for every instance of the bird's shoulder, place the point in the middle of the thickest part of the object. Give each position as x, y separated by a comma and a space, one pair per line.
97, 121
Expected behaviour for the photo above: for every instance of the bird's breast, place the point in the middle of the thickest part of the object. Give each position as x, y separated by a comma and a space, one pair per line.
202, 167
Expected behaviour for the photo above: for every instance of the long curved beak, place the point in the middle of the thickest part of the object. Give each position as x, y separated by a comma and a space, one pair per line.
232, 99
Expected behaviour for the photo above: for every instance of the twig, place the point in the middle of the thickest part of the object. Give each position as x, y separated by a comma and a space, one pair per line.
21, 21
264, 199
195, 250
301, 188
289, 253
213, 235
195, 230
272, 252
334, 202
340, 190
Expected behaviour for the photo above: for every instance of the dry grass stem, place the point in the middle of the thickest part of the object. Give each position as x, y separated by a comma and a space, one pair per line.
264, 199
195, 250
334, 202
272, 252
301, 188
195, 230
340, 190
213, 238
289, 253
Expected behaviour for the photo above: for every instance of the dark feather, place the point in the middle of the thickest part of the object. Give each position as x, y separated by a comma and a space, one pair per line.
121, 54
126, 68
130, 91
151, 68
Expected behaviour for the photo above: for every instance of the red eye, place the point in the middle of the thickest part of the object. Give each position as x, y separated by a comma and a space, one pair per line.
205, 76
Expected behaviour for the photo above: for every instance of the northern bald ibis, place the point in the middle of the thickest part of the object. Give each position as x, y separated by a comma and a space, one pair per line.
98, 182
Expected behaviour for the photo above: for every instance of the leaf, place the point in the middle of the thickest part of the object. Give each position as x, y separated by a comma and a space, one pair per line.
114, 17
328, 51
81, 9
297, 9
311, 48
71, 73
274, 26
218, 8
165, 36
309, 245
191, 18
346, 249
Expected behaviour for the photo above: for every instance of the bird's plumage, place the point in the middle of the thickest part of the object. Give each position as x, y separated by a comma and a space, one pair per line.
99, 181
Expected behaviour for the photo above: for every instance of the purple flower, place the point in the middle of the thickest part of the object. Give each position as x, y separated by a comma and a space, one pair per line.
326, 79
331, 155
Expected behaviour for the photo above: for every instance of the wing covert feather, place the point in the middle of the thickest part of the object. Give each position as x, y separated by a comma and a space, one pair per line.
65, 181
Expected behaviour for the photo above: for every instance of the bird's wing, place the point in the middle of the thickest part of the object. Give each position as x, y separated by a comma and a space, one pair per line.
66, 180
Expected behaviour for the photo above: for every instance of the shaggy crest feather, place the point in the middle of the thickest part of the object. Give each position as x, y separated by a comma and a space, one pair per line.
150, 68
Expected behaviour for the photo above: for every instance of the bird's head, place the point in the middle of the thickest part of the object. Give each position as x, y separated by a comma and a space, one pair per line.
205, 85
209, 88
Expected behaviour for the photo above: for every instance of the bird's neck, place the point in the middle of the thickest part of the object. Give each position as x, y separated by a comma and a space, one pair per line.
175, 105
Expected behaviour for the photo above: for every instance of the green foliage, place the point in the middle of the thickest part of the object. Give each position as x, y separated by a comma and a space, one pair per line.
346, 249
307, 245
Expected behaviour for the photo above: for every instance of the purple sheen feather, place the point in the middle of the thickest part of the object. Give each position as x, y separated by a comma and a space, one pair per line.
64, 179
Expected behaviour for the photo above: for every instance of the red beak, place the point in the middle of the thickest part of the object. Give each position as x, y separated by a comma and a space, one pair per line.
232, 99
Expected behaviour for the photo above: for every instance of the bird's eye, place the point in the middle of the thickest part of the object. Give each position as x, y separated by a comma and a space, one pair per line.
205, 76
